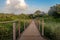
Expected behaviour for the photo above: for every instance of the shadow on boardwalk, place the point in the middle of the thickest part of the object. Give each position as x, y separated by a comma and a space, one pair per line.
31, 33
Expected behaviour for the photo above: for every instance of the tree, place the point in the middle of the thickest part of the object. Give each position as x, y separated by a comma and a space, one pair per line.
55, 11
37, 13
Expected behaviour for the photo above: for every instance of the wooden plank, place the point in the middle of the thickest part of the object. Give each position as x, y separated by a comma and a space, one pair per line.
14, 31
31, 33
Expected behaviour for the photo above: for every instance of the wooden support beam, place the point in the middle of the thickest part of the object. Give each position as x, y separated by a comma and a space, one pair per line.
24, 25
14, 31
19, 28
39, 25
42, 27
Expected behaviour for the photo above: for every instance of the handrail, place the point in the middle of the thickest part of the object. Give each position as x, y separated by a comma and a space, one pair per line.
9, 21
14, 27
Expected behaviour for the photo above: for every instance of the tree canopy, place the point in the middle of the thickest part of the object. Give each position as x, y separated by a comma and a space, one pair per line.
55, 11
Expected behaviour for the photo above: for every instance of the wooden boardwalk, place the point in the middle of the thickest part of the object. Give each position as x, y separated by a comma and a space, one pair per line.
31, 33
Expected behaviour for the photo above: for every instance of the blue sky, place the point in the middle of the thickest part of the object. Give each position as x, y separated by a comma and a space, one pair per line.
42, 5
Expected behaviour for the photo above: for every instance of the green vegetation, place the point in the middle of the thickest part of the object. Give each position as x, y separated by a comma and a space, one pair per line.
55, 11
6, 29
52, 28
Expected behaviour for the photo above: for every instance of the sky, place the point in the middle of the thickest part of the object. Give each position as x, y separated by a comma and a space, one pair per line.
32, 6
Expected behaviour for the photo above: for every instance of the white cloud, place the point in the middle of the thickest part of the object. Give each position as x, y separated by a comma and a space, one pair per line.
15, 6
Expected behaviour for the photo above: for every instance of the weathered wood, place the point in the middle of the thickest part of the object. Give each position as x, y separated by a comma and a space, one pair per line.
14, 31
42, 27
39, 25
19, 28
31, 33
8, 21
14, 28
24, 25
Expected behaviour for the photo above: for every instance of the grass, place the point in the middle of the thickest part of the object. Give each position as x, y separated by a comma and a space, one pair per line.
6, 31
51, 28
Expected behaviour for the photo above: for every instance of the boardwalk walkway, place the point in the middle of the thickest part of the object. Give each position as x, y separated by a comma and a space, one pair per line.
31, 33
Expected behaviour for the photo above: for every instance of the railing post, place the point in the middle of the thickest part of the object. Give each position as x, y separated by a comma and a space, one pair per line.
19, 28
14, 31
42, 27
24, 25
39, 25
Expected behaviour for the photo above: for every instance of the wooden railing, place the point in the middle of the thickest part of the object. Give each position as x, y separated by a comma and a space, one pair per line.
8, 21
14, 28
41, 23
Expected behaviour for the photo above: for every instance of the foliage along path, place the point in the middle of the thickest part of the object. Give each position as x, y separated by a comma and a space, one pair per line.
31, 33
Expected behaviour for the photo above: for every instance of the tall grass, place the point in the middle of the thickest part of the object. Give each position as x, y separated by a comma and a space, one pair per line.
51, 27
6, 29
